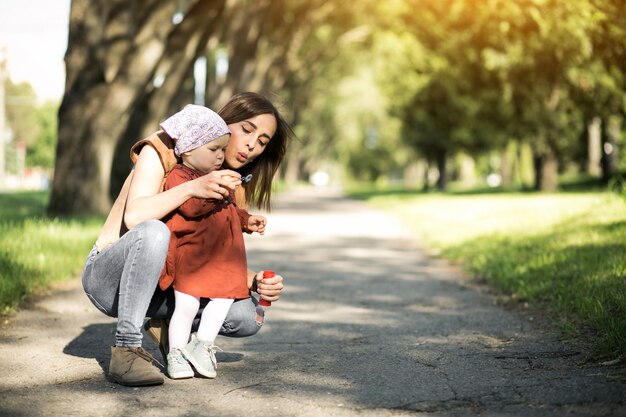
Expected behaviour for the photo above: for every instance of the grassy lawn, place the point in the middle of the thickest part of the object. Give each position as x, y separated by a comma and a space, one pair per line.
562, 253
36, 250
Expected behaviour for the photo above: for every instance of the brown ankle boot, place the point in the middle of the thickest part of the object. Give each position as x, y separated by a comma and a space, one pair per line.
133, 367
157, 329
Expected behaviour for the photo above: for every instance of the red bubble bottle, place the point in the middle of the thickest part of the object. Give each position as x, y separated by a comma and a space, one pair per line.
265, 303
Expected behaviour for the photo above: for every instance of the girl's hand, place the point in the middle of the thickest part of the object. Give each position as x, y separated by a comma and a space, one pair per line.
269, 288
257, 224
216, 185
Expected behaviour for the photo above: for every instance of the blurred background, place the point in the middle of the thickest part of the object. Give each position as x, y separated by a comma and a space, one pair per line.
493, 128
414, 93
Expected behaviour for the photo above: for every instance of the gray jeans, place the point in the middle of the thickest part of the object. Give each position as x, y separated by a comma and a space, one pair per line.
122, 281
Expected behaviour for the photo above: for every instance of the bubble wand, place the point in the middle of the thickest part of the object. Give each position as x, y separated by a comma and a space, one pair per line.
265, 303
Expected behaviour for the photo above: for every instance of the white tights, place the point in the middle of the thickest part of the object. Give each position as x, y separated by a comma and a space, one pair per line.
185, 311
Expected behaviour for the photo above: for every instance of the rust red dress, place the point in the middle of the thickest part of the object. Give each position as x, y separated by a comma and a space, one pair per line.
207, 255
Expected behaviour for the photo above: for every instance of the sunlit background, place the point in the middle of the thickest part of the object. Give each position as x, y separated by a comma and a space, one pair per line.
413, 93
493, 128
33, 34
33, 40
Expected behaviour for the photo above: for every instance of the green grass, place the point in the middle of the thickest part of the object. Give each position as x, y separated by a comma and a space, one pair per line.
36, 250
562, 253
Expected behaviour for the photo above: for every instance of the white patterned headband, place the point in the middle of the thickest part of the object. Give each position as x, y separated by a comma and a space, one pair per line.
193, 127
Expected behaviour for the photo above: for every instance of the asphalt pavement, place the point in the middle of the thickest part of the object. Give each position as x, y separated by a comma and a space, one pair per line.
369, 325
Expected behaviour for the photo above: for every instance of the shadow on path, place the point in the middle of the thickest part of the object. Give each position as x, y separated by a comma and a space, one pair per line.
89, 344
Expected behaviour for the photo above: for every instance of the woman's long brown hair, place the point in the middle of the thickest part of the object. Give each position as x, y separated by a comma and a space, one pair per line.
247, 105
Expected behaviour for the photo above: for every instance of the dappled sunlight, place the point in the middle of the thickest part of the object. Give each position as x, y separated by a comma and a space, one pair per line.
313, 226
468, 217
445, 306
328, 312
562, 250
382, 253
61, 394
468, 337
46, 348
334, 333
49, 339
323, 380
470, 97
366, 326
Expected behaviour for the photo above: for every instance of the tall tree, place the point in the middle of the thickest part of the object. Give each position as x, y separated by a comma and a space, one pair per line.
130, 64
501, 68
606, 86
119, 53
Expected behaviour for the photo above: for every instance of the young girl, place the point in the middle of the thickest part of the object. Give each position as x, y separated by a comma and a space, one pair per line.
206, 257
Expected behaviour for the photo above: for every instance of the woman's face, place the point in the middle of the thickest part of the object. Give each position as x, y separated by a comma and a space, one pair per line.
248, 139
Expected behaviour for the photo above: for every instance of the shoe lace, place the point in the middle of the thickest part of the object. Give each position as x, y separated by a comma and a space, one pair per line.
210, 352
142, 353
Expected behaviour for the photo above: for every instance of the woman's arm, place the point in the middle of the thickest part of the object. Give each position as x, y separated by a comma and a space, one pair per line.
146, 202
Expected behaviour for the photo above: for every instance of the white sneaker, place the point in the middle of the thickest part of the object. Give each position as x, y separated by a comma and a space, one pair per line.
202, 356
177, 366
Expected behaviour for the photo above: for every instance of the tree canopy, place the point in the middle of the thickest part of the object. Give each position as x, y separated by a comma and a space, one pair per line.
371, 87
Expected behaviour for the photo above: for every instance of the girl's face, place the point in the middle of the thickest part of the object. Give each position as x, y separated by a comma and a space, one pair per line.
248, 139
207, 158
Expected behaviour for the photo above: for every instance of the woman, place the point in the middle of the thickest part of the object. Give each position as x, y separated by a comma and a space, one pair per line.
123, 268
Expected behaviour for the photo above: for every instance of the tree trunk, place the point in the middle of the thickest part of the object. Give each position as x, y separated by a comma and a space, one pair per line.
291, 168
546, 171
594, 147
115, 50
610, 158
415, 173
261, 43
506, 166
129, 66
442, 180
545, 158
244, 28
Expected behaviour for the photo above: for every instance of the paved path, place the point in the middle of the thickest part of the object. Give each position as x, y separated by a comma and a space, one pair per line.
368, 326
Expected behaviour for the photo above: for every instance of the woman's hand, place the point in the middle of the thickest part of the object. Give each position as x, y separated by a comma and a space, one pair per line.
216, 185
269, 288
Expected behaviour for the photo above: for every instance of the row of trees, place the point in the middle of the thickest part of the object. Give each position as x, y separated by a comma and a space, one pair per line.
130, 64
32, 124
539, 72
373, 86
